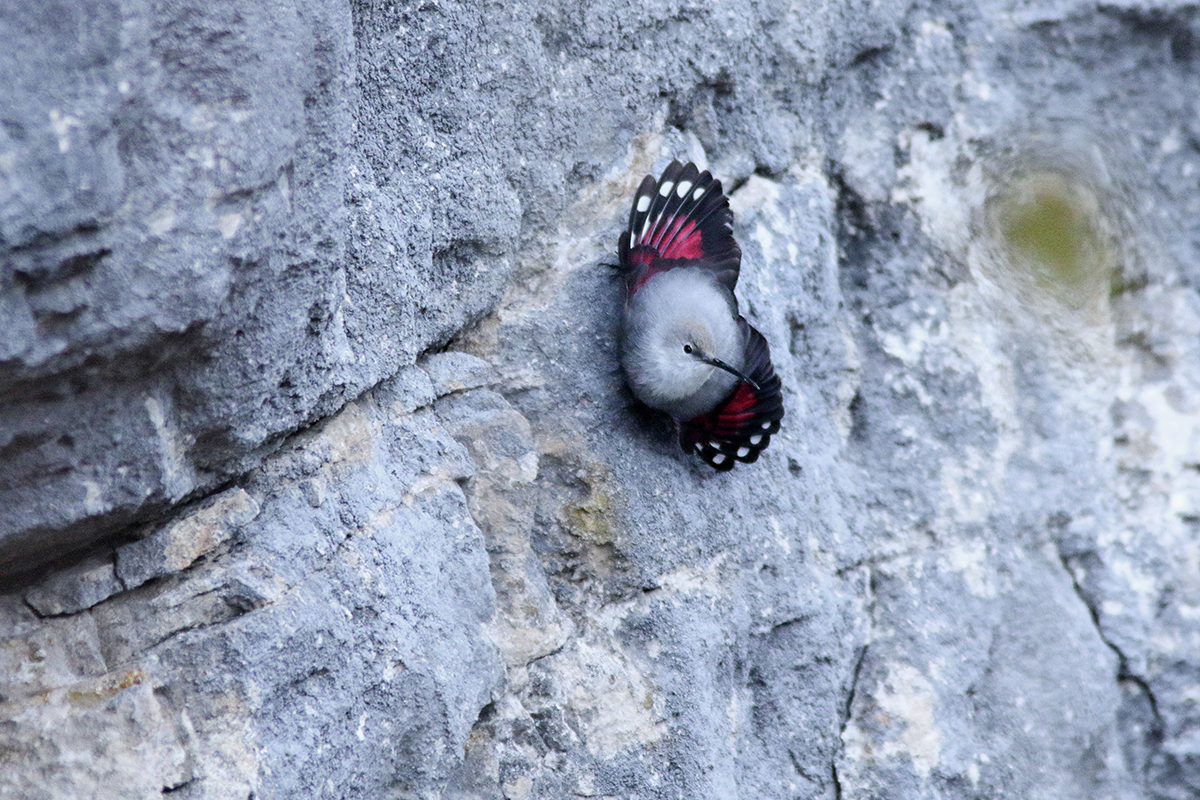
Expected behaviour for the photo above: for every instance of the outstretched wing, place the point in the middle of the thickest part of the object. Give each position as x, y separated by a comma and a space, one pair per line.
683, 218
740, 427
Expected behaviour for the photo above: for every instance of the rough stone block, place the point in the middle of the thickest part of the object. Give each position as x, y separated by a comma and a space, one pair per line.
107, 738
454, 371
180, 542
76, 588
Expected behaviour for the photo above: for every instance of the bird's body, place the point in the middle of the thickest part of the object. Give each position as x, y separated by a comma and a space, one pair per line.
685, 349
676, 308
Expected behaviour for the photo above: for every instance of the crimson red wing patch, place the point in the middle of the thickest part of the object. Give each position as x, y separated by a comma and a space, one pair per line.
683, 218
741, 427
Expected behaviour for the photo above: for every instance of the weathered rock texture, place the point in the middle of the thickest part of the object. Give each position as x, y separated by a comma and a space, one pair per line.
318, 479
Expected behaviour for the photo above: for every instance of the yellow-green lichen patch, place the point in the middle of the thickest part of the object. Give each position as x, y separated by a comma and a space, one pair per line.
591, 518
1052, 227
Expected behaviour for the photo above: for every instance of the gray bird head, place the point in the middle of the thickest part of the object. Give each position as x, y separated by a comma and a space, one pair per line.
683, 350
693, 338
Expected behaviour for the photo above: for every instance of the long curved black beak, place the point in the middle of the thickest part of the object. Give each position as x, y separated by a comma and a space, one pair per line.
719, 364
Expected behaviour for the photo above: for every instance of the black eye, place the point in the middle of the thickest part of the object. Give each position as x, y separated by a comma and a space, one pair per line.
687, 348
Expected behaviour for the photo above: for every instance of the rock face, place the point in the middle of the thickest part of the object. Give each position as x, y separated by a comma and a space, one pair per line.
318, 477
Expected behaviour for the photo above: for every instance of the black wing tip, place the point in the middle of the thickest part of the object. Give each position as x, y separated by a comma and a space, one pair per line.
757, 359
659, 202
726, 458
722, 453
677, 172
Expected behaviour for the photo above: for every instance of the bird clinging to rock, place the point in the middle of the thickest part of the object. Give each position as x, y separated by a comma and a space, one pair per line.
685, 350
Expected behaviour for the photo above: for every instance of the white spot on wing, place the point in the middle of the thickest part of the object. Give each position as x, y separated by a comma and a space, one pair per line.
696, 195
643, 203
714, 445
756, 438
665, 189
766, 426
743, 452
719, 458
684, 186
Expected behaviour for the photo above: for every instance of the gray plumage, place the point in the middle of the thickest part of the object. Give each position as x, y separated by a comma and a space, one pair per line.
673, 322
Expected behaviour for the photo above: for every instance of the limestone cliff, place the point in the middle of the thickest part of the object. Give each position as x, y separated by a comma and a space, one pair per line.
318, 477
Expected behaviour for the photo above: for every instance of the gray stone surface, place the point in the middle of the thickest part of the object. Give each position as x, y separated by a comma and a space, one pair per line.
76, 588
178, 544
318, 477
